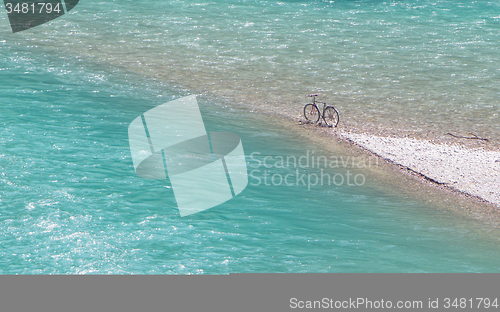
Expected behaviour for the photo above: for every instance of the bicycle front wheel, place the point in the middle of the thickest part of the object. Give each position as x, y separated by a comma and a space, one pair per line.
311, 113
331, 116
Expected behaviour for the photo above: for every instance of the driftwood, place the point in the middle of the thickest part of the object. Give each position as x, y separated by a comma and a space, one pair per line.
474, 137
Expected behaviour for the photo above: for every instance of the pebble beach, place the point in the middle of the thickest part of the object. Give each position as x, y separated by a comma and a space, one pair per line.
472, 171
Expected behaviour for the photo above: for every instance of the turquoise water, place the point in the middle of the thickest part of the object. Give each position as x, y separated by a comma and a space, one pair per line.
421, 68
71, 202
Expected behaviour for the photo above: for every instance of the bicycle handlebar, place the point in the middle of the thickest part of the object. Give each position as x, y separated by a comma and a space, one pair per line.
311, 95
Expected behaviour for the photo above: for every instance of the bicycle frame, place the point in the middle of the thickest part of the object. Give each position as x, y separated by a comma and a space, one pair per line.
322, 115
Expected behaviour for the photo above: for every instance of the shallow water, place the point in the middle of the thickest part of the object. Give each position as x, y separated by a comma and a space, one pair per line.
71, 202
422, 68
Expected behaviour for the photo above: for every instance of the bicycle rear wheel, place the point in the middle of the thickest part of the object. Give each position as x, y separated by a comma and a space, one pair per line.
331, 116
311, 113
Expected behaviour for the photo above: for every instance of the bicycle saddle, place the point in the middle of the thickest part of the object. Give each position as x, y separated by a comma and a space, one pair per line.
311, 95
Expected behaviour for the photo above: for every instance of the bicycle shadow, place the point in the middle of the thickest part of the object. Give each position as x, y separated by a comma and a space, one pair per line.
319, 124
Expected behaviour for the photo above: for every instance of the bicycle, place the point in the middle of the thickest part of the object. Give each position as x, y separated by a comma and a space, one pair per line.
312, 113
